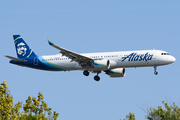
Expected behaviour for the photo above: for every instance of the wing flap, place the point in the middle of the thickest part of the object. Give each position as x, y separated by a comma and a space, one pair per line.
15, 59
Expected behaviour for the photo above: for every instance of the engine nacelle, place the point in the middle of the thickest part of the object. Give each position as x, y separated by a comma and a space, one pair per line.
117, 72
101, 64
112, 64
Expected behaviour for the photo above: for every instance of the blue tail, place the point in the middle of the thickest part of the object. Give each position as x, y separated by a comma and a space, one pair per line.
22, 49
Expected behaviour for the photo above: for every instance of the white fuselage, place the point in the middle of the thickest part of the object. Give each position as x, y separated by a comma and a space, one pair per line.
123, 59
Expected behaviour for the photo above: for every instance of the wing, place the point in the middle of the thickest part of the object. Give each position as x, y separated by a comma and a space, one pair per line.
15, 59
82, 60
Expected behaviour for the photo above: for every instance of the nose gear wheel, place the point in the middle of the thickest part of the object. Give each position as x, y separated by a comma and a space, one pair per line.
155, 68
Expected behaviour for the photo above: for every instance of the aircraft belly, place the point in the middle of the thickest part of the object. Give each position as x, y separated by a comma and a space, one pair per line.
67, 65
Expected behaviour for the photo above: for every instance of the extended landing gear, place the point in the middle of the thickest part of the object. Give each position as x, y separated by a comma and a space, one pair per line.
155, 68
86, 73
97, 78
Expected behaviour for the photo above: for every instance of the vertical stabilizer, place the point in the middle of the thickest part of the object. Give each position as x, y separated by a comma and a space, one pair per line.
22, 49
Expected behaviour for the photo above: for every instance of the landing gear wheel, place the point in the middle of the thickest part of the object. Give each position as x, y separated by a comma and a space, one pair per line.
155, 72
155, 68
86, 73
96, 78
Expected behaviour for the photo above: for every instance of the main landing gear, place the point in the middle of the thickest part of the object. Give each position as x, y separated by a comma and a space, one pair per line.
86, 73
155, 68
96, 78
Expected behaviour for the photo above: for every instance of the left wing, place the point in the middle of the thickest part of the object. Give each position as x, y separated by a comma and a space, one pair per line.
82, 60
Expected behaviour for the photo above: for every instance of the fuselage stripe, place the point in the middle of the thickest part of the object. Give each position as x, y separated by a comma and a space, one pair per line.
54, 65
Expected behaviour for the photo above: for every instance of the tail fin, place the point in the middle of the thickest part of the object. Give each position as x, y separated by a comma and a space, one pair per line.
22, 49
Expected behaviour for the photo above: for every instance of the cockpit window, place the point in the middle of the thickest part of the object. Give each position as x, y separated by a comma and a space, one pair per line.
164, 53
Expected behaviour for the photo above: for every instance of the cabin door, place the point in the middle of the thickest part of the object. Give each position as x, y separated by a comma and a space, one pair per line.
35, 61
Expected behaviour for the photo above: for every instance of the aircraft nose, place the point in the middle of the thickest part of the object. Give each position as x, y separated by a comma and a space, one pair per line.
172, 59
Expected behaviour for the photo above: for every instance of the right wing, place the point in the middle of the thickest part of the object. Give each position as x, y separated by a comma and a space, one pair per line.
82, 60
15, 59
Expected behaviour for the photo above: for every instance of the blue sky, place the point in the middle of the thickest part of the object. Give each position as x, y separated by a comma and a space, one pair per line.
93, 26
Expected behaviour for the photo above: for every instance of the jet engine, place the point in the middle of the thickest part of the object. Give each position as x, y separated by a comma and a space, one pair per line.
117, 72
104, 64
101, 64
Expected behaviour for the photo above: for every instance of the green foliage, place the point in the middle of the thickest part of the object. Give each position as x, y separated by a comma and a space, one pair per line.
131, 116
30, 117
34, 109
171, 112
7, 108
38, 107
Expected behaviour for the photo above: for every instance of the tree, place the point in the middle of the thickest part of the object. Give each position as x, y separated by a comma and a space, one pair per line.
38, 107
131, 116
7, 108
34, 109
170, 112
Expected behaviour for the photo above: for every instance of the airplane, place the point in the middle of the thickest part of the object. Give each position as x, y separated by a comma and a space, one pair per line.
112, 63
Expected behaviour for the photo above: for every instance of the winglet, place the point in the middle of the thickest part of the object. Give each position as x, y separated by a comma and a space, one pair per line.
50, 43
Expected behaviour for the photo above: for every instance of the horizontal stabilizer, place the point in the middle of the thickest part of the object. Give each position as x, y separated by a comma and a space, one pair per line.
15, 59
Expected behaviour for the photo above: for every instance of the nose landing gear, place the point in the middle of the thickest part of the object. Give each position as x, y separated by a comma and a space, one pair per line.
155, 68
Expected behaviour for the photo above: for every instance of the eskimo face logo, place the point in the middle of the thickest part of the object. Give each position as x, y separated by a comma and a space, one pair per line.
21, 48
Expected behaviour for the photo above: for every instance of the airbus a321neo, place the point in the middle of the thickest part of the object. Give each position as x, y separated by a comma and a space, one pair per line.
112, 63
